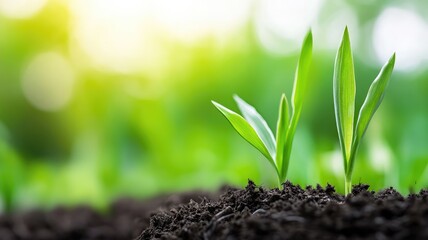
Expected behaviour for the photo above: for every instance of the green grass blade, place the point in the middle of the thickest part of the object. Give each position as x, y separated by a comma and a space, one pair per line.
281, 130
245, 130
301, 75
374, 98
258, 123
344, 95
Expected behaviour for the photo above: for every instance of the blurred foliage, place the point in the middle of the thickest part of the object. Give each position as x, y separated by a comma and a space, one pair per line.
143, 131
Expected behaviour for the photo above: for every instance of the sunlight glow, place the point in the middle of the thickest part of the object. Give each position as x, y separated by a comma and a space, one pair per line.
48, 81
129, 36
403, 31
111, 33
191, 20
282, 24
21, 8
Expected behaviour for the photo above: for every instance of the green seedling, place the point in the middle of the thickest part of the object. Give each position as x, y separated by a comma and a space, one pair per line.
350, 134
253, 128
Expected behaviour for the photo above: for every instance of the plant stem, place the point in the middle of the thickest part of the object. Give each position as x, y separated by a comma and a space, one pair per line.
289, 144
349, 165
348, 185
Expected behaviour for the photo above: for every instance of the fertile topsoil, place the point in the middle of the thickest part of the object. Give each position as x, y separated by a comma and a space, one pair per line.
250, 213
125, 219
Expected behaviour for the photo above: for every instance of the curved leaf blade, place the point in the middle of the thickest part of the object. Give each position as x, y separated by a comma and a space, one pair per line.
344, 95
281, 130
245, 130
374, 98
258, 123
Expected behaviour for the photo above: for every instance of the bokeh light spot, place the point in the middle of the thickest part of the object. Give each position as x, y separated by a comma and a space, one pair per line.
282, 24
111, 33
380, 156
131, 36
402, 31
333, 161
21, 8
48, 81
191, 20
333, 30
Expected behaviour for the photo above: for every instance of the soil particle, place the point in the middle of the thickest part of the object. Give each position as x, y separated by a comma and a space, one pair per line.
296, 213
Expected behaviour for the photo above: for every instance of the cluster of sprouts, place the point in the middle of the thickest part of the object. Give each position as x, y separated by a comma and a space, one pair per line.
277, 148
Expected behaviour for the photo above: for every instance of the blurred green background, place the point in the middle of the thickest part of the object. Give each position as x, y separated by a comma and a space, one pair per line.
108, 98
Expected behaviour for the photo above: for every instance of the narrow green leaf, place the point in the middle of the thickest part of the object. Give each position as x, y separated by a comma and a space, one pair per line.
301, 75
245, 130
344, 95
258, 123
281, 130
374, 98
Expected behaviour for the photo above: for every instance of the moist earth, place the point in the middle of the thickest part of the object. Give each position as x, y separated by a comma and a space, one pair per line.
250, 213
296, 213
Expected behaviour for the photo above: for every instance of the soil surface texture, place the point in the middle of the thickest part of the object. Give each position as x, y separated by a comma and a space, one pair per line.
295, 213
125, 219
250, 213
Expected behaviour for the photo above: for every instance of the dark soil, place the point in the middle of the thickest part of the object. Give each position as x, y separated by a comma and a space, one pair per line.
250, 213
296, 213
124, 220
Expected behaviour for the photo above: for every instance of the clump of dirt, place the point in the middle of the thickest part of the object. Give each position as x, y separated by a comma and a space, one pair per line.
295, 213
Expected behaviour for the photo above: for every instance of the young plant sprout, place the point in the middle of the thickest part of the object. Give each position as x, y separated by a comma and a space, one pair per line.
253, 128
350, 134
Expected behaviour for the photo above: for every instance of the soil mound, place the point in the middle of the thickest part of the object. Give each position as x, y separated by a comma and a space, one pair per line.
296, 213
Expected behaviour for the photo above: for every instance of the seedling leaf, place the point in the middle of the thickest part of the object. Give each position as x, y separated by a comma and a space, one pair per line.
374, 98
245, 130
281, 130
344, 95
253, 128
299, 92
300, 77
350, 135
258, 123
